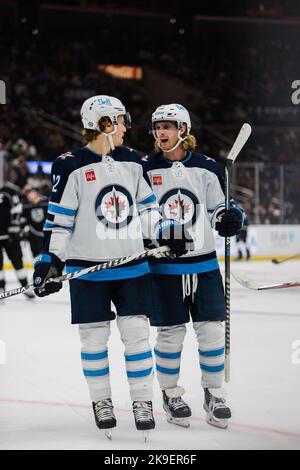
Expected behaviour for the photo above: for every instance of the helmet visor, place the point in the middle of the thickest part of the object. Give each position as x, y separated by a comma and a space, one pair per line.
127, 120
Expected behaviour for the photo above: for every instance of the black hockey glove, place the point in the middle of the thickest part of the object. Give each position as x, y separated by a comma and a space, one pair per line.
46, 265
172, 234
229, 223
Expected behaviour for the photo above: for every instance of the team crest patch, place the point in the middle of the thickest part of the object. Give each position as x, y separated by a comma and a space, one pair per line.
114, 206
90, 175
157, 180
181, 205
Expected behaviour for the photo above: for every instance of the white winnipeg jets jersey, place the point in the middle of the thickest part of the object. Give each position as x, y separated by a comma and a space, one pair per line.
100, 210
191, 192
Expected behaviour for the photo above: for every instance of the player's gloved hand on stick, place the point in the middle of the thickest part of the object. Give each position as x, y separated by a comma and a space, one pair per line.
172, 233
47, 265
229, 223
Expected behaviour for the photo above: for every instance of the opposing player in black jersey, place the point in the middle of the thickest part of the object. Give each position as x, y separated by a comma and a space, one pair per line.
10, 233
34, 213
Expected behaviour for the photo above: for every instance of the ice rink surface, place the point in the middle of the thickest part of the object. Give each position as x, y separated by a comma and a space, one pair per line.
44, 401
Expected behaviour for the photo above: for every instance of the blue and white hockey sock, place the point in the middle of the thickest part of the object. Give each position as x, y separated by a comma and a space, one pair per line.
94, 356
167, 350
134, 331
210, 336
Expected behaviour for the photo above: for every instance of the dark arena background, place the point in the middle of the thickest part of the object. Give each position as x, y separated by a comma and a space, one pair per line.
228, 63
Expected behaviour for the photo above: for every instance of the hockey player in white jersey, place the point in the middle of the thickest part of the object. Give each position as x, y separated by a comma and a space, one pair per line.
99, 210
189, 189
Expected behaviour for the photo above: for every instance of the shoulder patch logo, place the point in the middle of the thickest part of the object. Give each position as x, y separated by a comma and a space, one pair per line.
90, 175
65, 155
157, 180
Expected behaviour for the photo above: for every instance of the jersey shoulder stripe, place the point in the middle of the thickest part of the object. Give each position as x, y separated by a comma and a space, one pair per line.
157, 161
80, 157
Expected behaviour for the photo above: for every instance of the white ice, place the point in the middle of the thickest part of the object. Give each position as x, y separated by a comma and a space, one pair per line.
44, 401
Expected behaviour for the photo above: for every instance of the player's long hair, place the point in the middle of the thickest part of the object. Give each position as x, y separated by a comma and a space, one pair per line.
190, 143
88, 135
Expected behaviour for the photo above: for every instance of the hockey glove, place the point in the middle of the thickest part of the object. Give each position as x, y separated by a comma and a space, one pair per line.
172, 233
46, 265
229, 223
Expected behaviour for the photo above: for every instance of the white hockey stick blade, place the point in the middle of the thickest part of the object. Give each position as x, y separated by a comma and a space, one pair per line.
239, 143
254, 286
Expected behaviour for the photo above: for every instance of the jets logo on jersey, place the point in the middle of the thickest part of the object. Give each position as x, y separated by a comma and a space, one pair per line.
181, 205
114, 206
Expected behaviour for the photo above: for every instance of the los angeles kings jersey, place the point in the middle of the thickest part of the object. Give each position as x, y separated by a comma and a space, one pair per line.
190, 191
35, 215
101, 208
10, 211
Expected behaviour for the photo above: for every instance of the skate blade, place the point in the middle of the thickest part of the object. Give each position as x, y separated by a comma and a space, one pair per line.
108, 433
218, 423
146, 436
183, 422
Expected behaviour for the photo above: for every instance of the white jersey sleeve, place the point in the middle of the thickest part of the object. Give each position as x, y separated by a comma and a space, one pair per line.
215, 198
62, 207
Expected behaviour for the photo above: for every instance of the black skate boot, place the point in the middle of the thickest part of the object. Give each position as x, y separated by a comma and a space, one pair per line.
104, 416
143, 416
178, 412
218, 413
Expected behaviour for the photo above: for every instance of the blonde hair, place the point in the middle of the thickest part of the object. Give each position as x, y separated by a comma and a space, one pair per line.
88, 135
189, 143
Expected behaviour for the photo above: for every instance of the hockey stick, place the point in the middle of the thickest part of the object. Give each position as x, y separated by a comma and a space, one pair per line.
239, 143
277, 261
254, 286
99, 267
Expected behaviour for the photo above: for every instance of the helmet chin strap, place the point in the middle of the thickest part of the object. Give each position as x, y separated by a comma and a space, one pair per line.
109, 136
180, 139
111, 141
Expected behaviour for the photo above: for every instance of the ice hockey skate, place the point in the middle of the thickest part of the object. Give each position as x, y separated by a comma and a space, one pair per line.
218, 413
104, 416
178, 412
143, 416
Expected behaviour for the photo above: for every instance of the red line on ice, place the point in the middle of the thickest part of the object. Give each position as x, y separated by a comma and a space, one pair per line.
77, 405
